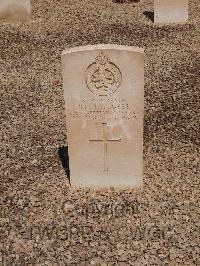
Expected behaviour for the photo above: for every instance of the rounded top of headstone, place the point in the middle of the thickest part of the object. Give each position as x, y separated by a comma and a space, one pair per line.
102, 47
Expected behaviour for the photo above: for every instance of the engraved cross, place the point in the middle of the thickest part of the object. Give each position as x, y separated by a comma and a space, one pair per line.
105, 142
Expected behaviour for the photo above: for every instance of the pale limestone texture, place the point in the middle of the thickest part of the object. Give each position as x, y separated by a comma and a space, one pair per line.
15, 10
170, 11
104, 98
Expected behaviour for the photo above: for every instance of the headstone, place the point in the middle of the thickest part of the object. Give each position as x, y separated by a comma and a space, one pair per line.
104, 98
15, 10
170, 11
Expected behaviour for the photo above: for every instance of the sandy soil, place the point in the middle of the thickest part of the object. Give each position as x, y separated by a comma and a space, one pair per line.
45, 222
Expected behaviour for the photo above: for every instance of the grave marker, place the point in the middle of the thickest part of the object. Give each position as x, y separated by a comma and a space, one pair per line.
15, 10
104, 98
170, 11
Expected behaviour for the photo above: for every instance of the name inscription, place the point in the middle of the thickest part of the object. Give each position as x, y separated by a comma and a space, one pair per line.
103, 109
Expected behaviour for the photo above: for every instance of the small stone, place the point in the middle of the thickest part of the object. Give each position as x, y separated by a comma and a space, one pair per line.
20, 202
13, 151
34, 161
68, 207
17, 166
6, 173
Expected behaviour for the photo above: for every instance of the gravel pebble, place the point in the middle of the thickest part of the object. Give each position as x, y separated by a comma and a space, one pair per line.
44, 221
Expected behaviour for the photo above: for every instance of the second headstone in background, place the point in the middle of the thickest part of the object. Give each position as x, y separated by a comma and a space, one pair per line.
15, 10
170, 11
104, 98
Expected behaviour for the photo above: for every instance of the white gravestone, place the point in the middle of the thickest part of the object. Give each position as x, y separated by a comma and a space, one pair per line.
15, 10
104, 98
170, 11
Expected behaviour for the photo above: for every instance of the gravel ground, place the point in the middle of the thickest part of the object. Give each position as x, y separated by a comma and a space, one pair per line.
45, 222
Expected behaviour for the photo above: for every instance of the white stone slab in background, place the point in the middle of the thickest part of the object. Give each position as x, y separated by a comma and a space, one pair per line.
104, 98
15, 10
170, 11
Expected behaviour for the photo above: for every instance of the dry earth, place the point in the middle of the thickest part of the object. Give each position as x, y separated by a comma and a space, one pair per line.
45, 222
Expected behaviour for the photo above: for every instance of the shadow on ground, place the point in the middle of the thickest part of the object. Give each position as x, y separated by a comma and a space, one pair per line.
64, 158
125, 1
149, 15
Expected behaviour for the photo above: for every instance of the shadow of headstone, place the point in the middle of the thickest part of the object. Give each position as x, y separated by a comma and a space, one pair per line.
64, 158
149, 15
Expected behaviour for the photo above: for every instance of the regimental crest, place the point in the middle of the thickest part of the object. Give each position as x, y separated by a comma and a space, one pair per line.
103, 77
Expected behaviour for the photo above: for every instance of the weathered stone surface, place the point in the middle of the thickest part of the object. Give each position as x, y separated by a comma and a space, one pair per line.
104, 94
15, 10
170, 11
